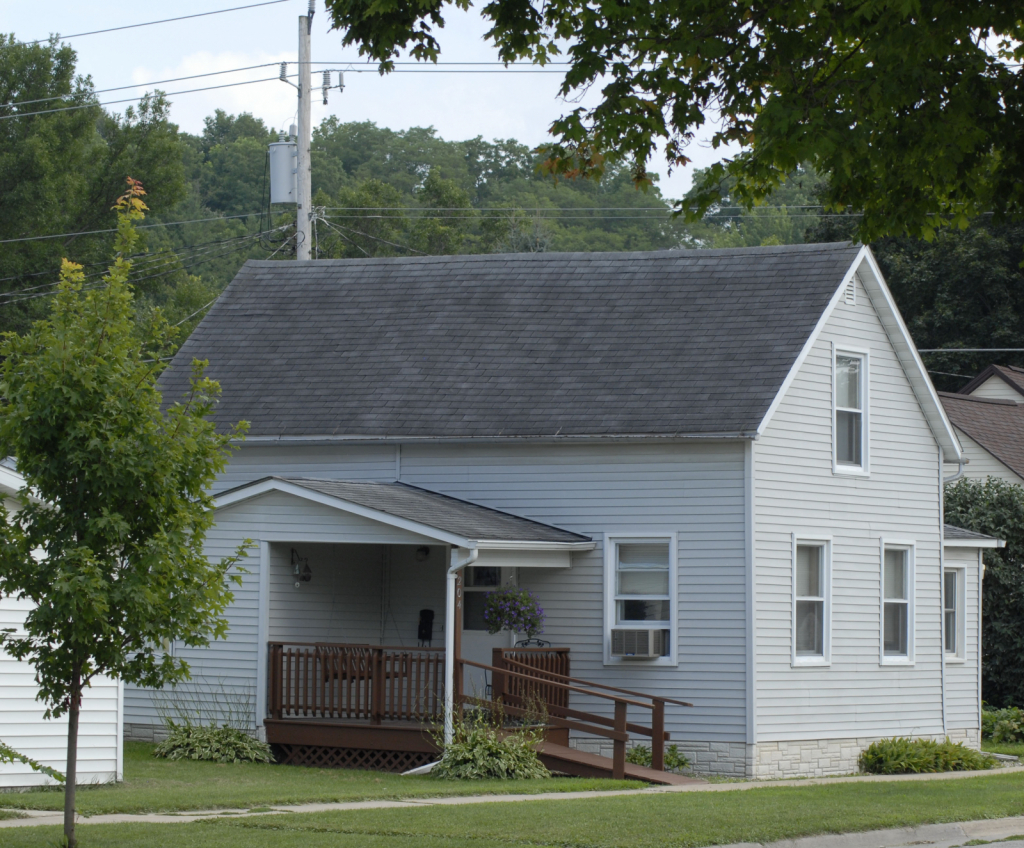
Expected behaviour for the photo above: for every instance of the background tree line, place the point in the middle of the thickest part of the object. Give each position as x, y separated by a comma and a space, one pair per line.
383, 192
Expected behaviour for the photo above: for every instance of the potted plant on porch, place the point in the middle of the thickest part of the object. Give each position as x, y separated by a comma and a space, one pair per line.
516, 610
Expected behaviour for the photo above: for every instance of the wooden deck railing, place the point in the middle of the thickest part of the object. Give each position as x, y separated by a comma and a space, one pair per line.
358, 682
375, 684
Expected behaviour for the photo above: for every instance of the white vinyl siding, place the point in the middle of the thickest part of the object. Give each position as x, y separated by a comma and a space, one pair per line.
693, 490
962, 695
796, 491
998, 389
23, 727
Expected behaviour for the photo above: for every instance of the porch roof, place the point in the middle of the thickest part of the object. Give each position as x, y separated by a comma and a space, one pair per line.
457, 522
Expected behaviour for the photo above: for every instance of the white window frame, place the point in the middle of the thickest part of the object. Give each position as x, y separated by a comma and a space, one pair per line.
824, 542
961, 629
910, 547
611, 543
864, 469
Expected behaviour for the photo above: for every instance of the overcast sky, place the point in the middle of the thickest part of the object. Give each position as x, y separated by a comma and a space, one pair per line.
459, 106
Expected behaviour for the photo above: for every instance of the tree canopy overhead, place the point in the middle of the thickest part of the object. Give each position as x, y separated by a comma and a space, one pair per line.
912, 109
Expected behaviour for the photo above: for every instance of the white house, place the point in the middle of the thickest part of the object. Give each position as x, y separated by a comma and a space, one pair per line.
988, 416
22, 726
721, 473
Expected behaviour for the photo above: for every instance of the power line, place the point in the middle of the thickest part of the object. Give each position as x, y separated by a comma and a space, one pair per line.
164, 21
140, 227
133, 99
142, 84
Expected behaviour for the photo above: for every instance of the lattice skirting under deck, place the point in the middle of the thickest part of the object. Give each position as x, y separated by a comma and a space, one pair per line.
319, 756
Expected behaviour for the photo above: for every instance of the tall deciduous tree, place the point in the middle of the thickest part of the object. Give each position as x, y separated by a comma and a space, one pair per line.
995, 507
61, 159
913, 109
109, 547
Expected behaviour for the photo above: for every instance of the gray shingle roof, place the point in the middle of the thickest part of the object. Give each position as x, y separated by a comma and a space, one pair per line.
575, 344
433, 509
958, 533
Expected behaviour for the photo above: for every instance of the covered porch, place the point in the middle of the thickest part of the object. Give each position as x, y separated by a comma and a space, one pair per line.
371, 631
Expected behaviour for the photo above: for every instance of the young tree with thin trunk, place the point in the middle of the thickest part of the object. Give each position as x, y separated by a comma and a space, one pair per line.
109, 546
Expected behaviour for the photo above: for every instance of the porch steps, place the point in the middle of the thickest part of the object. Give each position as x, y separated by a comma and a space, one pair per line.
567, 760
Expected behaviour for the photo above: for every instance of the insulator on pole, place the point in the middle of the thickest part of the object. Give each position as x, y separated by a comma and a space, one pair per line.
327, 85
284, 72
312, 7
341, 80
293, 131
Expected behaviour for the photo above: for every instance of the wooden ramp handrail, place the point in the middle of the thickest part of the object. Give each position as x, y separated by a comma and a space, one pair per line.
588, 722
535, 671
569, 687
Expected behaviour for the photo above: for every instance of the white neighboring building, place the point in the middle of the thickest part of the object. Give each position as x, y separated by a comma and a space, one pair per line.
22, 726
988, 415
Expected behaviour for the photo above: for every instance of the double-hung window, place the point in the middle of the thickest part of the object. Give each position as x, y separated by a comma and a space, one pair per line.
952, 619
641, 577
850, 423
897, 604
810, 603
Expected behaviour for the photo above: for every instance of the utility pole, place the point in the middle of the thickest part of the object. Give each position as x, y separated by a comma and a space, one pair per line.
305, 191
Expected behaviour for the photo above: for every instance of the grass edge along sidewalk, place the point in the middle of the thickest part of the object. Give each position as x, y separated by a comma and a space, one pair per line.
715, 815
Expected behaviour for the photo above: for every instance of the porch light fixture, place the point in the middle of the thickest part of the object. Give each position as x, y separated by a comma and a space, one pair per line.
300, 568
422, 553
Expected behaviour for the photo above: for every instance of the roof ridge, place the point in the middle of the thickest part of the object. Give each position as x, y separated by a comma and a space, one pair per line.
599, 256
976, 399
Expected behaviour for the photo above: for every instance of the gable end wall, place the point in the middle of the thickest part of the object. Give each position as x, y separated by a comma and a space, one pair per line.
855, 698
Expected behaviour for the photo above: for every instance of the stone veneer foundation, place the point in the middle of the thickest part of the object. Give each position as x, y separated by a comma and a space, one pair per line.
824, 757
772, 760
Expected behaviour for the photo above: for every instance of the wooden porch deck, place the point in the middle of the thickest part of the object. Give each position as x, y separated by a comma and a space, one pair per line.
361, 706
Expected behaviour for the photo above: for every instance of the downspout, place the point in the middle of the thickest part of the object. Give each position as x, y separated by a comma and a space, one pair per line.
449, 639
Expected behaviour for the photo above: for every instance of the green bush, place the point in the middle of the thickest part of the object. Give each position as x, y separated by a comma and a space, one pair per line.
1003, 726
482, 748
640, 755
214, 744
919, 756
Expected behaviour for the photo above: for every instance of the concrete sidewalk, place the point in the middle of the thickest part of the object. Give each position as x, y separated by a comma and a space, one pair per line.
53, 817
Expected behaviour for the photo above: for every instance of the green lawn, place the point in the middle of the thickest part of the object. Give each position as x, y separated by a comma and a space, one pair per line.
682, 820
1017, 749
155, 785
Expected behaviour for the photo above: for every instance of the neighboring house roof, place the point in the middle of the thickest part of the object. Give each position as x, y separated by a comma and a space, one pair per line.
996, 425
682, 342
1011, 375
955, 537
415, 506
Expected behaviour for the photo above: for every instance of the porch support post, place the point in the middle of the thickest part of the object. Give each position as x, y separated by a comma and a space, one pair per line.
262, 638
452, 648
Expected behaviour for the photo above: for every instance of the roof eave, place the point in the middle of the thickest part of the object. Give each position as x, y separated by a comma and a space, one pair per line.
262, 486
552, 439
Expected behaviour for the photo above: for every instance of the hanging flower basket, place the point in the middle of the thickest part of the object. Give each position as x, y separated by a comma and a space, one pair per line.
517, 610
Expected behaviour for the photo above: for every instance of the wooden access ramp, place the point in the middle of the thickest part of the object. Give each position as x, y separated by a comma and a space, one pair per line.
567, 760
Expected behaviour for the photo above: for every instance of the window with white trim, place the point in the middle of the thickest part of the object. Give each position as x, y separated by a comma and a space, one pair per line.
641, 604
952, 616
810, 603
850, 411
897, 603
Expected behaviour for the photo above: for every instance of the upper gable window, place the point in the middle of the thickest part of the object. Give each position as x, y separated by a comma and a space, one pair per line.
850, 423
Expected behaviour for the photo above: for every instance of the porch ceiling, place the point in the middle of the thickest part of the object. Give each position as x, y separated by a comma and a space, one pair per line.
457, 522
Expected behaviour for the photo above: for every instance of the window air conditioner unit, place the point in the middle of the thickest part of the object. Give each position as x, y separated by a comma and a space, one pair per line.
638, 644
